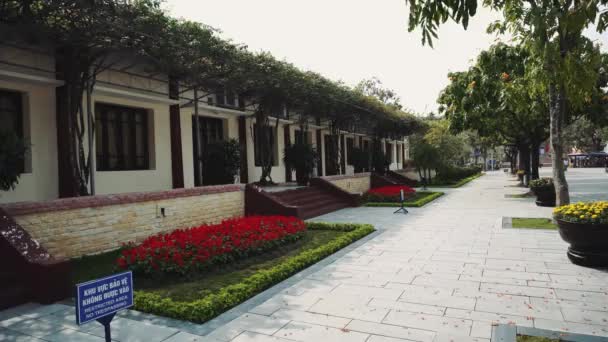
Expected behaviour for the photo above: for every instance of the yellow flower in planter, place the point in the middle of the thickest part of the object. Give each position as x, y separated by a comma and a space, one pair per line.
590, 212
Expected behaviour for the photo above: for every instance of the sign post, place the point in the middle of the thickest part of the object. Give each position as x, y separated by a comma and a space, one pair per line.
101, 299
402, 209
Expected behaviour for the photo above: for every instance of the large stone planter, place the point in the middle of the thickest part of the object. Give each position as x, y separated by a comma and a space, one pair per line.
588, 242
545, 198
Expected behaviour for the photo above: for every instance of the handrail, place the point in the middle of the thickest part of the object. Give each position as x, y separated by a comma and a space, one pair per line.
353, 200
46, 278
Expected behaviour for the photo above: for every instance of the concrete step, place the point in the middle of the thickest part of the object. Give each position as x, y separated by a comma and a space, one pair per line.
321, 210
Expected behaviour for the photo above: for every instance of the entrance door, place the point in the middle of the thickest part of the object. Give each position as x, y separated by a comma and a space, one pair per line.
211, 130
330, 161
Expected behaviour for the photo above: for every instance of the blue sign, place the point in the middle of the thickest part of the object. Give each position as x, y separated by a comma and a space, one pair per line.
102, 297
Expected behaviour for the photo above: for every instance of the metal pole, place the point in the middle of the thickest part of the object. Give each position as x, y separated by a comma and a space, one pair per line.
90, 136
105, 321
107, 332
199, 167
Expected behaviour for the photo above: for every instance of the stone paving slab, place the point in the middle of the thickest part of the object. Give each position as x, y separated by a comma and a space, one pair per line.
446, 272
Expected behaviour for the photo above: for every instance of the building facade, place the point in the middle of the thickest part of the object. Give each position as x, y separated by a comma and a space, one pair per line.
144, 135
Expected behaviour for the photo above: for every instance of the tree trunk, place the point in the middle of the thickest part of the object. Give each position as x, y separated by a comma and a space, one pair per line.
535, 156
524, 162
513, 164
557, 108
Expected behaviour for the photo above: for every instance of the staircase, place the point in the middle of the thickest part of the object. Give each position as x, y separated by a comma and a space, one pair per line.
311, 201
321, 197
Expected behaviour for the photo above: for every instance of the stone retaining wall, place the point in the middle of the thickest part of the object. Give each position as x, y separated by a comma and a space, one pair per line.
355, 184
73, 227
411, 173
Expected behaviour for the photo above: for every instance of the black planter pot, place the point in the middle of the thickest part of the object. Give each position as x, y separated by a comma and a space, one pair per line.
545, 198
588, 242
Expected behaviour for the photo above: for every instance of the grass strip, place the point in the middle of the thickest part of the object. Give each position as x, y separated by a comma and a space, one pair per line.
421, 198
526, 338
532, 223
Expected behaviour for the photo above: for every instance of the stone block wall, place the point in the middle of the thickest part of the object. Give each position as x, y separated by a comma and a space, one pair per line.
74, 227
355, 184
411, 173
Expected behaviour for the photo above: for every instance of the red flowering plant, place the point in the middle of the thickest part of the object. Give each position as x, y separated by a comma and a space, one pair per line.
389, 193
194, 249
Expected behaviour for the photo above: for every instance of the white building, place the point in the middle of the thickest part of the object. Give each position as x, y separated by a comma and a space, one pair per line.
144, 136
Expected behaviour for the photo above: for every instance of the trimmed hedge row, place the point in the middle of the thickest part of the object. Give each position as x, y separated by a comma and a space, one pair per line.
466, 180
429, 196
457, 184
212, 305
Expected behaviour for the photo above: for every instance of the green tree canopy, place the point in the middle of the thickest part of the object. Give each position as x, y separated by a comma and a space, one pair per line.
552, 31
91, 36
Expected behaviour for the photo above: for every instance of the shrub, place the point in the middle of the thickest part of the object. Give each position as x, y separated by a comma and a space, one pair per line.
194, 249
209, 306
388, 193
222, 161
303, 158
453, 174
360, 159
426, 157
583, 212
12, 154
542, 185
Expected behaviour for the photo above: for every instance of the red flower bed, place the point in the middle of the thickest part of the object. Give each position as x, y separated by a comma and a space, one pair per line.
389, 193
192, 249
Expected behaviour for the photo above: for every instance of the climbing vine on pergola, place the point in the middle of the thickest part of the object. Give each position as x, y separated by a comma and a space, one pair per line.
89, 35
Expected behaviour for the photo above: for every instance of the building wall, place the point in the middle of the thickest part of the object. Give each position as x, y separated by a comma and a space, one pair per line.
159, 176
132, 89
231, 131
40, 178
70, 229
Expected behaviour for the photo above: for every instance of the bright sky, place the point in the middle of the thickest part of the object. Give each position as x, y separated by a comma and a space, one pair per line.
349, 40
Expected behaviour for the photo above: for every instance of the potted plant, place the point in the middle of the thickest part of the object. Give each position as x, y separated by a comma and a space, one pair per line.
520, 175
302, 158
222, 160
585, 227
544, 190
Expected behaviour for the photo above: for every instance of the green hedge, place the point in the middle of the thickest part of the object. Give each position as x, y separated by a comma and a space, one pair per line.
430, 196
466, 180
457, 184
212, 305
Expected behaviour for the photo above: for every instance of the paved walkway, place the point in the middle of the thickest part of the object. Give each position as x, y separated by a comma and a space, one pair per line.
445, 272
